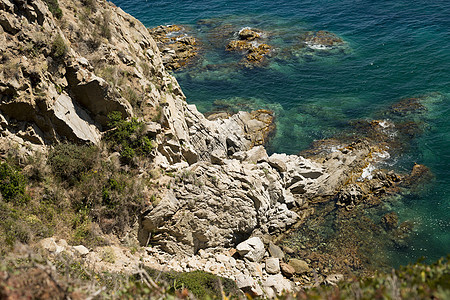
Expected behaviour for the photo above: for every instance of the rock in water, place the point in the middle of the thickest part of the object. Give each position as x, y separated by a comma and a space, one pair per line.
390, 221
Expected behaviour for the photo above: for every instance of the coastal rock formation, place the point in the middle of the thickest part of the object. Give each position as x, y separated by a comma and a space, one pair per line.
250, 42
60, 79
177, 48
223, 203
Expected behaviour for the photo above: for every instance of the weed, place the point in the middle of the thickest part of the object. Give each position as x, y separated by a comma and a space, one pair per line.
131, 95
105, 30
108, 255
90, 5
158, 115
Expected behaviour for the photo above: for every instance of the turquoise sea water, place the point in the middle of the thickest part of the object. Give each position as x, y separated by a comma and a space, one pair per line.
394, 49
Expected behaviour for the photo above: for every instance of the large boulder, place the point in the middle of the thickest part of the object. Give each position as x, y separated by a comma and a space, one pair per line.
94, 93
252, 249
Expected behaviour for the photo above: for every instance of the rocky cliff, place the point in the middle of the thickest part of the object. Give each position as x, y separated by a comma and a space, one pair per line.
65, 68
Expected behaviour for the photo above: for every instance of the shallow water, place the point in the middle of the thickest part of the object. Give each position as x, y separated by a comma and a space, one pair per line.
394, 49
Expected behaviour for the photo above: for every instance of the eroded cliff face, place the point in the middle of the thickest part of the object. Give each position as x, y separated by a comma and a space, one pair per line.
60, 78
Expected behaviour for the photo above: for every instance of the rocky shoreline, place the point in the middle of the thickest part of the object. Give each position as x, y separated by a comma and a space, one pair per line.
223, 204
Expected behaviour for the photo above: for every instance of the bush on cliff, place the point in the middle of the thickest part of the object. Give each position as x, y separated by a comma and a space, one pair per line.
128, 138
54, 8
59, 48
70, 161
12, 184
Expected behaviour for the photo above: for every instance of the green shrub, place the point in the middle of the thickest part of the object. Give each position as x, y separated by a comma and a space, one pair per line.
128, 137
12, 184
59, 48
54, 8
70, 161
202, 284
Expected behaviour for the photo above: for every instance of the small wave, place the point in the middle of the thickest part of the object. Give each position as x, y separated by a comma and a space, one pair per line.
367, 172
318, 46
244, 28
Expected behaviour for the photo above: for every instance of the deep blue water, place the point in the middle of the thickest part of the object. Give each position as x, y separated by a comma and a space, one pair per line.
395, 49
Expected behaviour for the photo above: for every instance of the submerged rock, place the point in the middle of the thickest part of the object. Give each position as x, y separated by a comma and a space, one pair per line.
390, 221
321, 38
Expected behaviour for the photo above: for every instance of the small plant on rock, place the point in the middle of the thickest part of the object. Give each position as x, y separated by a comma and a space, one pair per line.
59, 48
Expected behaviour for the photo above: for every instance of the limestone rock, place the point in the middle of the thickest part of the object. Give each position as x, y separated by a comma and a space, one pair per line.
50, 245
81, 250
249, 285
272, 265
252, 249
218, 204
275, 251
278, 283
94, 93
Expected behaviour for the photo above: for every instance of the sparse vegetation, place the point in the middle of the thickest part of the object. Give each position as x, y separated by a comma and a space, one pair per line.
131, 95
90, 5
59, 48
54, 8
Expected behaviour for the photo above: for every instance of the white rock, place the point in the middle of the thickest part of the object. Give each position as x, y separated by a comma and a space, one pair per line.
82, 250
333, 279
244, 281
278, 283
50, 245
252, 249
255, 269
272, 265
